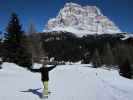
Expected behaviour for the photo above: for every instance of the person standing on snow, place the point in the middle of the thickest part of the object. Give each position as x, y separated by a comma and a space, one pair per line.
44, 75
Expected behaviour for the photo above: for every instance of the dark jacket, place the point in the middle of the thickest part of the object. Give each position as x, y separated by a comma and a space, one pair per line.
44, 72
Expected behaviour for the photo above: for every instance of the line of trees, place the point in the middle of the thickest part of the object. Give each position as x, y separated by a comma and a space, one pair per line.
110, 51
113, 56
120, 55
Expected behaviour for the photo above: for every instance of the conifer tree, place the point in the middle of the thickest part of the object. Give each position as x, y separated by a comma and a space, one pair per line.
14, 43
108, 57
35, 47
126, 69
123, 52
96, 59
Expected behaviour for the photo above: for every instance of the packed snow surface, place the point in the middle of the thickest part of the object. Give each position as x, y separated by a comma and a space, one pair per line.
67, 82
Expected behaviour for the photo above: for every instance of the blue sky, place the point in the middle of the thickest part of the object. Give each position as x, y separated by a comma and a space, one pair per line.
39, 11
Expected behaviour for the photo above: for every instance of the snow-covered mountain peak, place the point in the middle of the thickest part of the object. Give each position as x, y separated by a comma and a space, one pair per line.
81, 21
72, 4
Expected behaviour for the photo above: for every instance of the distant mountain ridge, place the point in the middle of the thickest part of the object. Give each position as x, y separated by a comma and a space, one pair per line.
81, 21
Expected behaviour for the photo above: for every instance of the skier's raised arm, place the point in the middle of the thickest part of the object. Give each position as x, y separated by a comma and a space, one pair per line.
36, 70
52, 67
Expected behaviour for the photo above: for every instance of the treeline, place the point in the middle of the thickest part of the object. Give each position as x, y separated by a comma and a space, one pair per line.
108, 50
99, 49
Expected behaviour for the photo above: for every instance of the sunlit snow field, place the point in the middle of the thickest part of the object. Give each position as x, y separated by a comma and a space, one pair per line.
67, 82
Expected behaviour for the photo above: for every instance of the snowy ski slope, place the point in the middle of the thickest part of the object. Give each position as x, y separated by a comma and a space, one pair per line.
67, 82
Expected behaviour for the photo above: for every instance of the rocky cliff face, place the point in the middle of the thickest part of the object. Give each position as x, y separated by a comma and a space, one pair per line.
81, 21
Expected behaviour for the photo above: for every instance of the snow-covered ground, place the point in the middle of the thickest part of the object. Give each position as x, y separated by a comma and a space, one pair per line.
67, 82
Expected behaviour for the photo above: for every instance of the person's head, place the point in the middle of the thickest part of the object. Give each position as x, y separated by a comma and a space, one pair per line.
43, 60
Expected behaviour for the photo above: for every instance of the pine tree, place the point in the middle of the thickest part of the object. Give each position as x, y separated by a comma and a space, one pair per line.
35, 44
96, 59
123, 52
14, 43
108, 57
126, 69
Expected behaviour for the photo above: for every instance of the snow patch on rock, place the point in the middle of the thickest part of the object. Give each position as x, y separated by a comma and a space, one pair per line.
81, 21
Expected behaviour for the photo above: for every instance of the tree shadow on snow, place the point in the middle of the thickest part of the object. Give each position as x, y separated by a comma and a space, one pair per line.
34, 91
